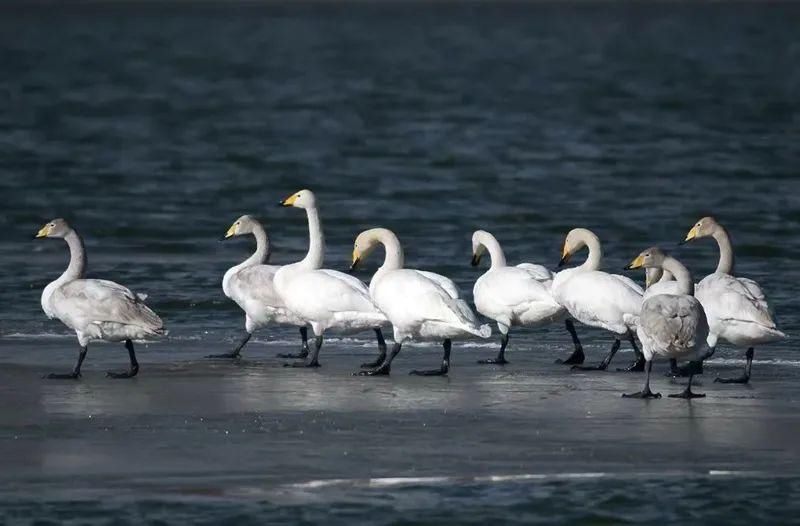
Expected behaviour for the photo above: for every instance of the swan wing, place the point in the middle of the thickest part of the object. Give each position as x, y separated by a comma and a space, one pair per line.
598, 299
256, 284
727, 298
671, 325
539, 272
97, 301
445, 283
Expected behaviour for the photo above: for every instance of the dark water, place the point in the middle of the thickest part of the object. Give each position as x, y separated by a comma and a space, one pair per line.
153, 129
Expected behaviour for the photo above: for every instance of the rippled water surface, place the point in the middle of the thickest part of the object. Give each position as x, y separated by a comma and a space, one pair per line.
152, 129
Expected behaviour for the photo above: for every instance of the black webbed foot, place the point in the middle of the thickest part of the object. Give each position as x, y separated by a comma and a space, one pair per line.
301, 355
576, 358
739, 380
302, 364
645, 394
233, 355
434, 372
687, 394
124, 374
62, 376
380, 371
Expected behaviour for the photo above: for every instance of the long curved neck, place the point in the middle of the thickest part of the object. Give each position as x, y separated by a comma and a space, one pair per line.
495, 251
261, 255
77, 257
725, 264
595, 256
316, 241
681, 273
394, 258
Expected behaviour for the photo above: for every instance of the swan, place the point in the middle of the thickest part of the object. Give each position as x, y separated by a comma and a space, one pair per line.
511, 295
96, 309
671, 325
659, 281
419, 304
737, 308
325, 299
250, 284
596, 298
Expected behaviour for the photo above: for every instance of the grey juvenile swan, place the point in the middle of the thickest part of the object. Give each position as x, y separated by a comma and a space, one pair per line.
96, 309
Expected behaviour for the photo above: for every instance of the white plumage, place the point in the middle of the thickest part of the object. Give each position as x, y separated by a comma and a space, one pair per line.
596, 298
325, 299
511, 296
420, 305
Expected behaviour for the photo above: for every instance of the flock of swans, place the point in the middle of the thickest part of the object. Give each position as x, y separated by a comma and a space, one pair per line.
674, 318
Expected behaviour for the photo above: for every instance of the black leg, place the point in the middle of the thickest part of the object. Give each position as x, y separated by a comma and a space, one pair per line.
303, 350
236, 352
673, 368
637, 365
381, 351
646, 392
747, 368
134, 370
312, 360
501, 356
687, 393
384, 368
577, 357
442, 371
602, 366
76, 372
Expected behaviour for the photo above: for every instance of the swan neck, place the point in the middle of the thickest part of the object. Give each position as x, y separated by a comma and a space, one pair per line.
681, 273
77, 257
316, 241
394, 258
495, 251
595, 252
725, 264
261, 255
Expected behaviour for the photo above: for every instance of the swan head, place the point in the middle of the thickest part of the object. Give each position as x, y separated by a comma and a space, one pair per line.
364, 244
478, 246
58, 228
652, 257
575, 240
703, 228
302, 199
242, 226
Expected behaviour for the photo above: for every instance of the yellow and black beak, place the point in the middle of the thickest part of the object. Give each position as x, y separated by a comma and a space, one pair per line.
476, 260
230, 233
43, 232
636, 263
565, 255
693, 233
289, 201
356, 260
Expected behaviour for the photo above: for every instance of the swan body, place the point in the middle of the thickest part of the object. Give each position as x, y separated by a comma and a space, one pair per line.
95, 309
420, 305
511, 296
670, 325
325, 299
597, 298
251, 284
736, 308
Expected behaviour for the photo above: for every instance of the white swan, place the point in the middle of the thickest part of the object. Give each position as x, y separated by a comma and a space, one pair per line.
511, 295
420, 305
736, 308
325, 299
596, 298
671, 325
96, 309
250, 284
